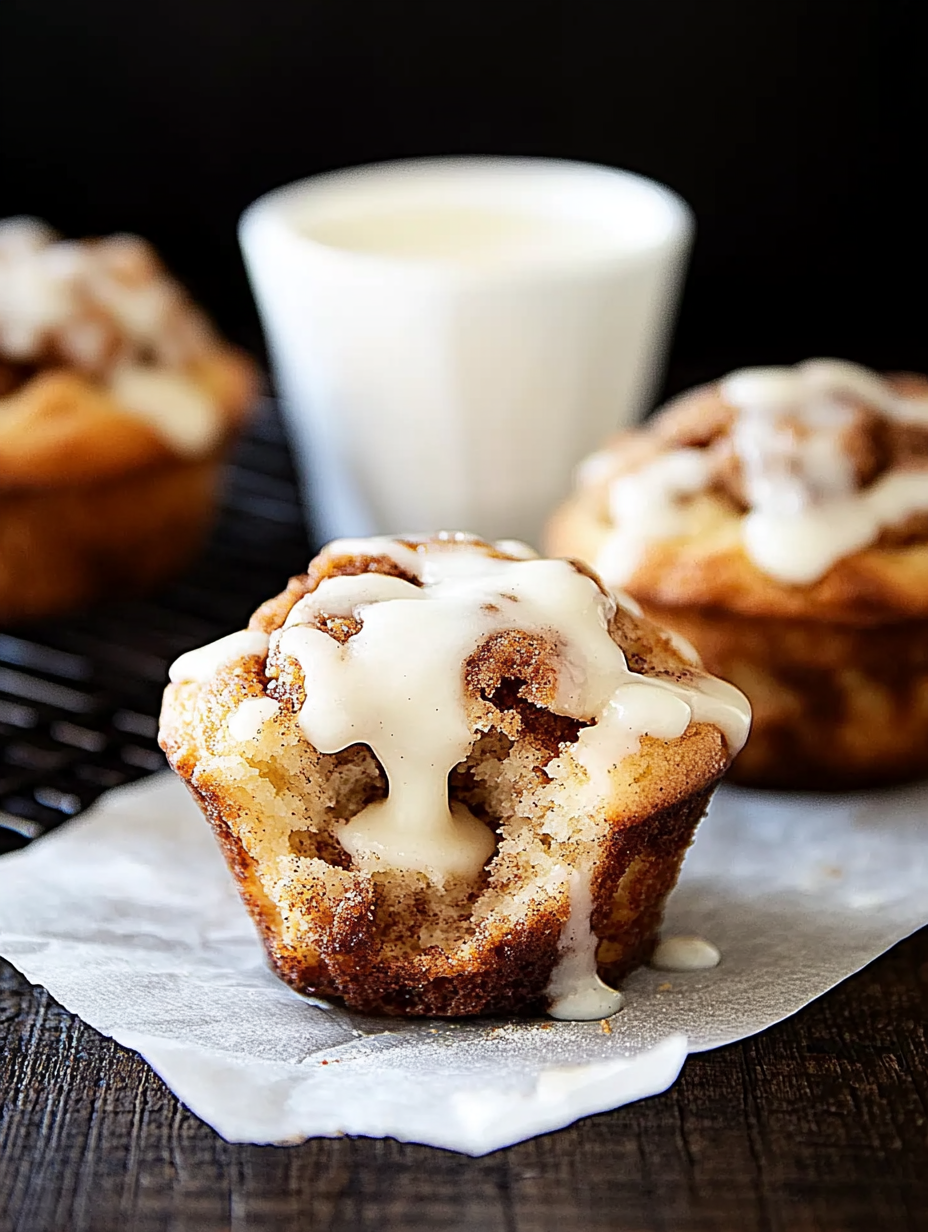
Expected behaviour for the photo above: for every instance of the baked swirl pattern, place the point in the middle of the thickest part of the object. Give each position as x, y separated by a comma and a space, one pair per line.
779, 520
116, 398
451, 777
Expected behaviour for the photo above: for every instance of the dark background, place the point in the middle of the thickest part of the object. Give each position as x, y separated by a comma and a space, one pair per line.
795, 130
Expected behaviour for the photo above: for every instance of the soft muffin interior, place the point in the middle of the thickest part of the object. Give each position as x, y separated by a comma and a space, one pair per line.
287, 802
292, 801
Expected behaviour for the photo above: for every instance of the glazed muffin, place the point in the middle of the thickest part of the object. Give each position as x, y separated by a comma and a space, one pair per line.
117, 398
778, 520
450, 777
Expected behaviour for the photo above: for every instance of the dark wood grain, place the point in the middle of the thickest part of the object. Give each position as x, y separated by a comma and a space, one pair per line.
817, 1125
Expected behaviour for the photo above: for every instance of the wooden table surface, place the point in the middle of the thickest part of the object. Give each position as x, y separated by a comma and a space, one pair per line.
820, 1123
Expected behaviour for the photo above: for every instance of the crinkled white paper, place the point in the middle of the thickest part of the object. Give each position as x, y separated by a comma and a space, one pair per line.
129, 918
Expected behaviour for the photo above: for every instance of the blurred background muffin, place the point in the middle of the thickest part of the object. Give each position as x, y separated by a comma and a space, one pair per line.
117, 398
778, 520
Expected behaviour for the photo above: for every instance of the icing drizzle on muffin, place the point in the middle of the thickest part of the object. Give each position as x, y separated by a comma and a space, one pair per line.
396, 683
381, 658
821, 460
108, 309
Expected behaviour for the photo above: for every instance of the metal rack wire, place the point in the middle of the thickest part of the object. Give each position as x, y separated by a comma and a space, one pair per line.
79, 696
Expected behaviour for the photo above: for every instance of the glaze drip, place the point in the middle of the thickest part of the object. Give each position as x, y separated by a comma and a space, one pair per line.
397, 685
790, 443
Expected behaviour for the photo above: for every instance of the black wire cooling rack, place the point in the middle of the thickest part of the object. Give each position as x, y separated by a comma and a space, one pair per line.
79, 696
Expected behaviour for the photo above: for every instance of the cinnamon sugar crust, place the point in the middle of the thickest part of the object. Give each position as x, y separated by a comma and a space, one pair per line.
836, 706
60, 550
837, 667
61, 428
709, 569
392, 940
105, 362
706, 565
118, 400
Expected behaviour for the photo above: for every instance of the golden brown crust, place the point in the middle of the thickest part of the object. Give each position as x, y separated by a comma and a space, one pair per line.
710, 569
644, 866
506, 972
95, 337
332, 930
503, 970
60, 428
94, 495
835, 706
62, 547
836, 671
707, 566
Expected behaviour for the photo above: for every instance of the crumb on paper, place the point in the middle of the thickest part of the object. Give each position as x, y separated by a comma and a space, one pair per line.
605, 1027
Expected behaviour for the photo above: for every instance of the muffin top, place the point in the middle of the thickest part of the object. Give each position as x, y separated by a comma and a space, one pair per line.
403, 645
800, 491
105, 363
450, 776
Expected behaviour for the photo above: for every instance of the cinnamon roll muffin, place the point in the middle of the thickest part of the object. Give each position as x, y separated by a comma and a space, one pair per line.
450, 777
778, 520
116, 400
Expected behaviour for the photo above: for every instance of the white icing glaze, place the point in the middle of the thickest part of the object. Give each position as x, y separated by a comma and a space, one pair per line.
48, 285
343, 595
23, 234
198, 666
377, 545
634, 710
802, 547
646, 505
33, 299
684, 647
685, 953
397, 685
516, 548
171, 403
106, 307
575, 991
838, 376
596, 468
805, 512
247, 720
624, 600
785, 471
776, 389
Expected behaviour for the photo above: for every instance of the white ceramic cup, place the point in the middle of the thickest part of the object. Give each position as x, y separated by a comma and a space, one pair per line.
450, 336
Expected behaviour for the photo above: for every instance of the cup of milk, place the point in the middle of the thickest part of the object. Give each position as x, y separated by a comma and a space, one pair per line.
450, 336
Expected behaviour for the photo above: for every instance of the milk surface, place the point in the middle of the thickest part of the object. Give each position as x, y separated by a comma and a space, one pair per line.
466, 235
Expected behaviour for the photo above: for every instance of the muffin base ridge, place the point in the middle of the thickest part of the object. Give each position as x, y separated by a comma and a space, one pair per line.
63, 547
503, 972
836, 706
584, 808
